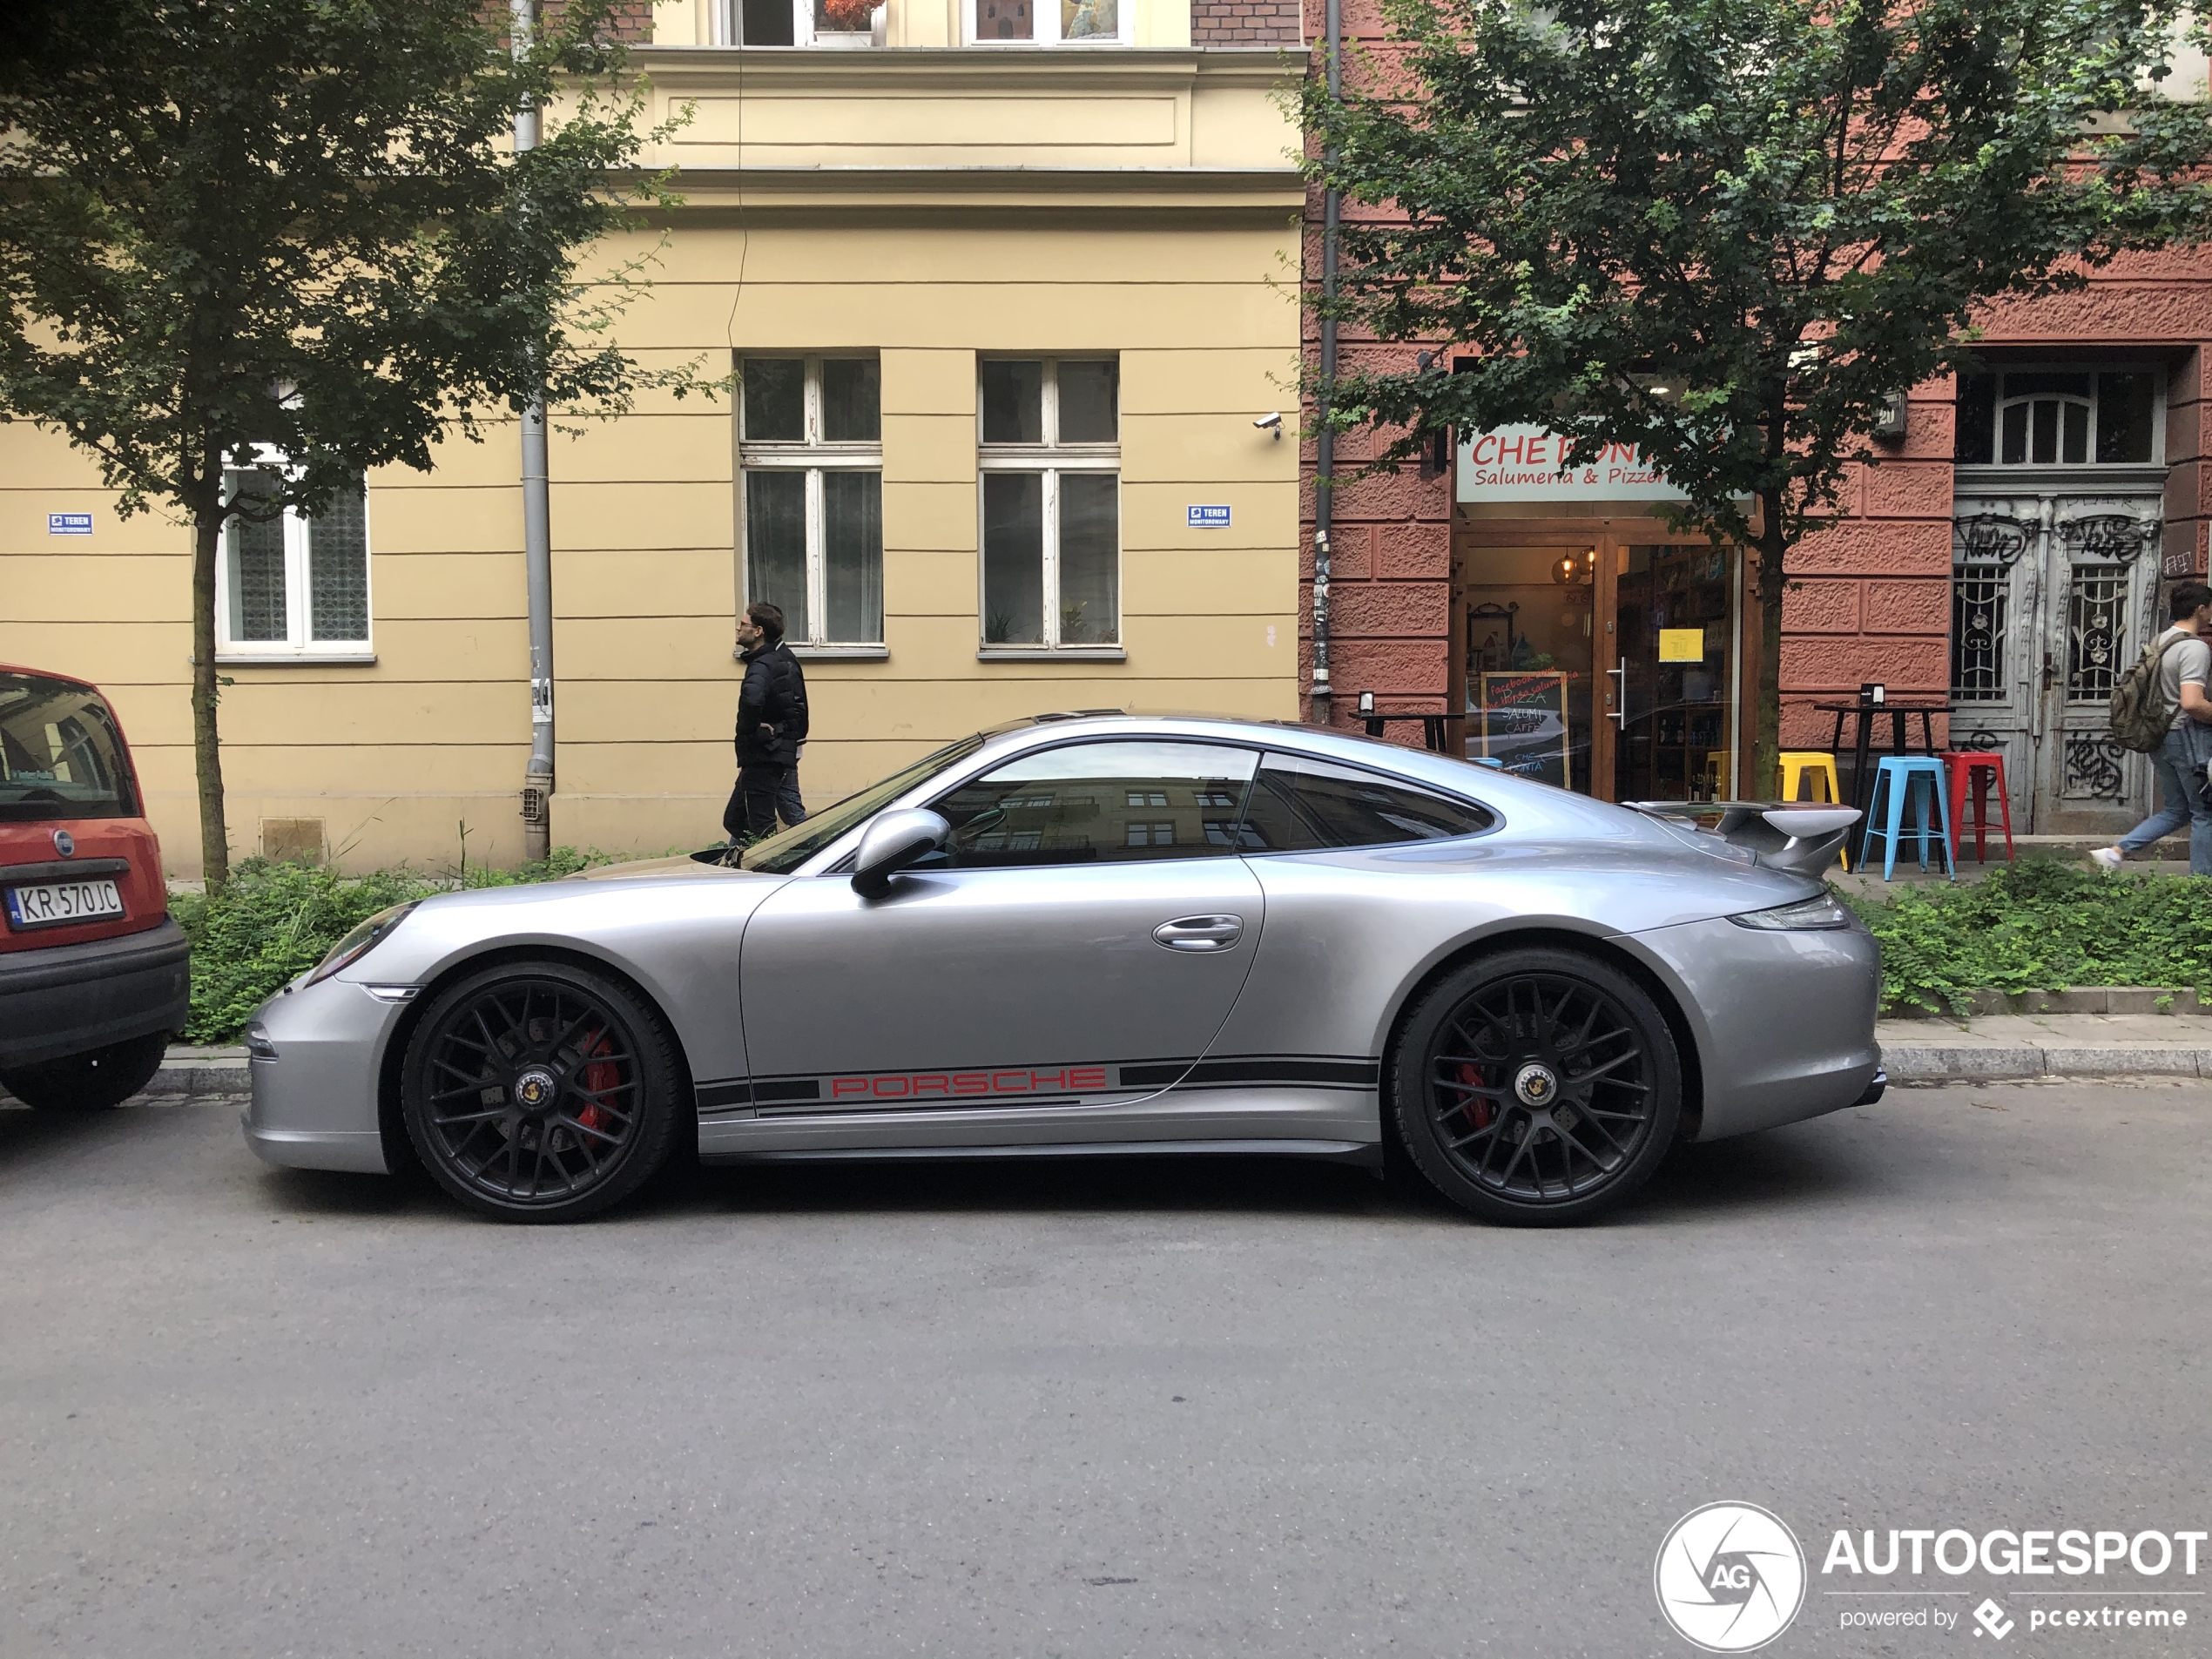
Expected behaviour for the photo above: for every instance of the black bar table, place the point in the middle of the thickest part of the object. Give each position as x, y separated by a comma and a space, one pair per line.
1862, 785
1432, 727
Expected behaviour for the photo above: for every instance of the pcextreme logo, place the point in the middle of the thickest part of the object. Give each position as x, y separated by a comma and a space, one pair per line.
1729, 1577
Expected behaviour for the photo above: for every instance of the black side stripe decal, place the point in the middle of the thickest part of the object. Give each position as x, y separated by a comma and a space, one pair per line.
1286, 1069
779, 1095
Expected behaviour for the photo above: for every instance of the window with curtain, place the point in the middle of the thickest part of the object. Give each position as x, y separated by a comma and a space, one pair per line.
289, 584
1046, 23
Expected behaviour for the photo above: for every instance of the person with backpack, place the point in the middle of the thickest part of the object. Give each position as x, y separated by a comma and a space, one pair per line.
2161, 708
772, 724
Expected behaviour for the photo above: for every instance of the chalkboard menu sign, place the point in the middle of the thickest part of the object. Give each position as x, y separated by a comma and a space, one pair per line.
1522, 722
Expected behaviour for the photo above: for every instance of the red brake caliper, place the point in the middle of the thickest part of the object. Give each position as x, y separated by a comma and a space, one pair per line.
1479, 1112
598, 1078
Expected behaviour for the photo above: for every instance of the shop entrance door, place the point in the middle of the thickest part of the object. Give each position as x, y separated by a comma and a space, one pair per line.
1601, 655
1675, 650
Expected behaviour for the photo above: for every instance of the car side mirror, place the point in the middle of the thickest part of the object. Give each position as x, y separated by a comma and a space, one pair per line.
892, 843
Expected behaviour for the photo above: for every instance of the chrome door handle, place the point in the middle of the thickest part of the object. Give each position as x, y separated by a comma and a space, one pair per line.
1620, 715
1200, 933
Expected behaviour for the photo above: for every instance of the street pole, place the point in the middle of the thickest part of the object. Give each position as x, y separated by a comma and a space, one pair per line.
1324, 442
538, 535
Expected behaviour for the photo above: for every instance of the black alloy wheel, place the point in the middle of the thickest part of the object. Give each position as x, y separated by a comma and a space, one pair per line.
1537, 1086
539, 1091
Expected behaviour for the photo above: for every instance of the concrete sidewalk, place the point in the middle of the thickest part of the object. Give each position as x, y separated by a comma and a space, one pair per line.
2006, 1045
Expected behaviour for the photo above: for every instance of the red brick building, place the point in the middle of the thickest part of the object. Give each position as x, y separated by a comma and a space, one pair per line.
2007, 553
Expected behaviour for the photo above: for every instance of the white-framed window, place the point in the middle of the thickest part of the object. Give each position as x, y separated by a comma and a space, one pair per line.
292, 586
799, 22
810, 483
1047, 22
2061, 416
1050, 460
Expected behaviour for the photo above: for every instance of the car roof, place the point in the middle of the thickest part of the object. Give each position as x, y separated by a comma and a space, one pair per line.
1443, 771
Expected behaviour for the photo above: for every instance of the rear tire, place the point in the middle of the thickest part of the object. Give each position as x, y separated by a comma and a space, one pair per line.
1537, 1087
90, 1082
541, 1091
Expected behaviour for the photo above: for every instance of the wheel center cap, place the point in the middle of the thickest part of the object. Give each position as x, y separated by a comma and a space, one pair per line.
535, 1089
1536, 1084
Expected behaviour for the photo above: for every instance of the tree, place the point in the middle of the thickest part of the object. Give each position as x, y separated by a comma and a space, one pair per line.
299, 224
1728, 232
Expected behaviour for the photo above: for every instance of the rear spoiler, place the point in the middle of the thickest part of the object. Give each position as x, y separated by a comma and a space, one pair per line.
1801, 840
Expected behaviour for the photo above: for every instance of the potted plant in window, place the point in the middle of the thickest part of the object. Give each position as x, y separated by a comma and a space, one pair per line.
849, 22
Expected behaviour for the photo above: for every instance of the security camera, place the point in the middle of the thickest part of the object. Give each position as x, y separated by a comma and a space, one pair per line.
1272, 423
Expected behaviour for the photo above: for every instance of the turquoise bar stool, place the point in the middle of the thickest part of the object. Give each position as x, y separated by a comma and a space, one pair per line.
1918, 778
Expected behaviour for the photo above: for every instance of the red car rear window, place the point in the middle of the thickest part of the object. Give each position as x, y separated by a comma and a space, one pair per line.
60, 754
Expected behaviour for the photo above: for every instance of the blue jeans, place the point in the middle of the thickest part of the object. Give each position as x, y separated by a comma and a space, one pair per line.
2179, 764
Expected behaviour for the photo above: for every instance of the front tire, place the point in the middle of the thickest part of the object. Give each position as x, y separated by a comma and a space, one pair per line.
539, 1091
92, 1082
1537, 1087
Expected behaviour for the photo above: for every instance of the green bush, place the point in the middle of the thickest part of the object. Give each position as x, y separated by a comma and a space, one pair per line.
273, 921
2040, 925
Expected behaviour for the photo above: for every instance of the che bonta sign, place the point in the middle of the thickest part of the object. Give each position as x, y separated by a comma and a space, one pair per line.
1523, 463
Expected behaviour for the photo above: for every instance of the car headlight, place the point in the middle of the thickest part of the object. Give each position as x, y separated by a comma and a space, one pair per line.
364, 939
1807, 915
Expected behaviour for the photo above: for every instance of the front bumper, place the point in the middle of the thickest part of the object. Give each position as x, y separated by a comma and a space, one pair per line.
71, 999
315, 1055
1785, 1020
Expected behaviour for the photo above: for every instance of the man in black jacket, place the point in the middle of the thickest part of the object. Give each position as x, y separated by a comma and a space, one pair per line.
772, 724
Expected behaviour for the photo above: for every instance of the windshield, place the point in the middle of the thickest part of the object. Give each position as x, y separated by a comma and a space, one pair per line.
60, 754
781, 854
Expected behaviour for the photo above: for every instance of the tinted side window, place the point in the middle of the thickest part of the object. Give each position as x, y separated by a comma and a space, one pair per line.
1301, 806
1100, 803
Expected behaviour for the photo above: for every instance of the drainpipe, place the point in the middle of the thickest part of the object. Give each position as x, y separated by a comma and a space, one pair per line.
538, 538
1324, 442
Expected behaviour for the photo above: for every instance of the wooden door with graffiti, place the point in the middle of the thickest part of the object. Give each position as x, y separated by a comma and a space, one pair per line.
2053, 594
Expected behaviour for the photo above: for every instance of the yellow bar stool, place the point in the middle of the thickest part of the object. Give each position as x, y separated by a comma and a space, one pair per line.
1797, 764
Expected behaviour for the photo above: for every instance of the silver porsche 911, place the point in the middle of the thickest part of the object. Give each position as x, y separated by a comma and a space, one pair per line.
1098, 933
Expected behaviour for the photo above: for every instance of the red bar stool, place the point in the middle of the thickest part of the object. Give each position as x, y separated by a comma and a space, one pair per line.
1984, 770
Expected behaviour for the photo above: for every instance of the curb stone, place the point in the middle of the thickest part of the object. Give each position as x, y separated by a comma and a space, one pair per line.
191, 1071
1918, 1062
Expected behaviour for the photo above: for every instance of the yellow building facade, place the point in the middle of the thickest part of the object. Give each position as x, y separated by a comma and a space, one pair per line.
1008, 309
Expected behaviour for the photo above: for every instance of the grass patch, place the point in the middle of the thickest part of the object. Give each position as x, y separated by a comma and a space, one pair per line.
273, 921
2040, 925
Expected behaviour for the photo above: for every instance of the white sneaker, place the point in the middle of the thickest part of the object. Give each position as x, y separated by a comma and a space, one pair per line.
2105, 857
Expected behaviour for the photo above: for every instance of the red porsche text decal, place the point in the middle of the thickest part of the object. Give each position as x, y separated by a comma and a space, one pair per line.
947, 1085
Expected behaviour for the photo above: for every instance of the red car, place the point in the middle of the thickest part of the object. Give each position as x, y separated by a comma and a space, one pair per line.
93, 973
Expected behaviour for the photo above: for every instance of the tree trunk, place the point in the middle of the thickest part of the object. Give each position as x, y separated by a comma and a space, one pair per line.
206, 691
1766, 746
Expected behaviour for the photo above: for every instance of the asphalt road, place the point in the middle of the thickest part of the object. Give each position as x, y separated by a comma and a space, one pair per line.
1130, 1409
